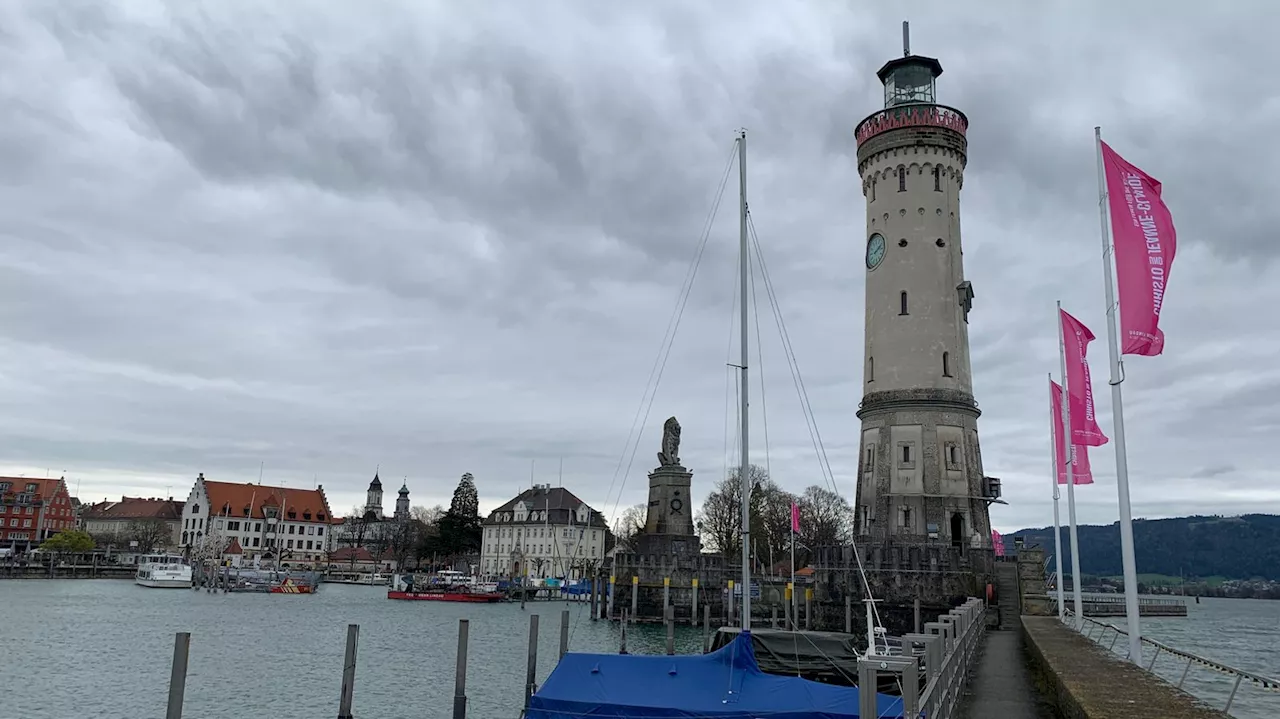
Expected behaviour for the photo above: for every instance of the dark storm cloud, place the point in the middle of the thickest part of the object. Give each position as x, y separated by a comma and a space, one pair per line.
446, 239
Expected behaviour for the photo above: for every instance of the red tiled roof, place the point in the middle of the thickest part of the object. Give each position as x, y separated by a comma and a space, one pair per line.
136, 508
45, 489
232, 500
360, 553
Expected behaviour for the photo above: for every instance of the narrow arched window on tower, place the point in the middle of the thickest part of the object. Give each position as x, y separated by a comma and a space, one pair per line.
902, 178
873, 190
946, 364
871, 369
937, 178
902, 300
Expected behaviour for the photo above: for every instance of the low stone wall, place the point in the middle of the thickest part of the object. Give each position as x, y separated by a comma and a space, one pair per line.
1084, 681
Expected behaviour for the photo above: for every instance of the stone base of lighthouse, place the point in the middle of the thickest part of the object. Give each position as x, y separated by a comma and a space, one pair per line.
920, 474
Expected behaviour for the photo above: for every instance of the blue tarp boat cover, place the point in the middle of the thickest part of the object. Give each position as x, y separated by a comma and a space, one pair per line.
725, 684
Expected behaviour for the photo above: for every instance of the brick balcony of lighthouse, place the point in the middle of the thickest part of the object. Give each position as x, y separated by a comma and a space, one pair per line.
924, 124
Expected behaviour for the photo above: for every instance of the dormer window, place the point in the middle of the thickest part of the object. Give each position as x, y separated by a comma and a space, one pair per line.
195, 509
246, 510
320, 517
306, 514
292, 514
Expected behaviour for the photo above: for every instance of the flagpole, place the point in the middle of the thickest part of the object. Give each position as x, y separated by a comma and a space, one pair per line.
1057, 521
1117, 414
1069, 452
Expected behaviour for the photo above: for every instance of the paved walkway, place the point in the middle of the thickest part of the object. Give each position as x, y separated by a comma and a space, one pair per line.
1001, 687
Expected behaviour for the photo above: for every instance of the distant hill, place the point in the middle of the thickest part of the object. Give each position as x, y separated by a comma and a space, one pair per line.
1245, 547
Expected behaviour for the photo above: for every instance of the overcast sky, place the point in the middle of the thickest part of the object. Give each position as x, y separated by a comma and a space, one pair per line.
447, 237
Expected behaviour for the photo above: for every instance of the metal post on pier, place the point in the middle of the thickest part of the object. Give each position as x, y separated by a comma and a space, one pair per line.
773, 621
670, 617
564, 632
808, 608
729, 604
788, 621
693, 613
706, 628
848, 613
917, 608
460, 674
608, 612
178, 675
635, 596
347, 693
531, 670
666, 595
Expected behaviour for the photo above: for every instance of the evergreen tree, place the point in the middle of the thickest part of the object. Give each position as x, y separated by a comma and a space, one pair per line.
460, 529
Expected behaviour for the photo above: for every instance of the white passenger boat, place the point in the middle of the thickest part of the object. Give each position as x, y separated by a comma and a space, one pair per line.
163, 571
366, 578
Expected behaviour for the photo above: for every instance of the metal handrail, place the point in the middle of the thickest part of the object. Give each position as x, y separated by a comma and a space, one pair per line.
949, 648
1263, 682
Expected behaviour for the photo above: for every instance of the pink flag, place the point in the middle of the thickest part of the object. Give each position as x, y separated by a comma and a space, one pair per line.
1080, 470
1145, 242
997, 543
1084, 422
795, 518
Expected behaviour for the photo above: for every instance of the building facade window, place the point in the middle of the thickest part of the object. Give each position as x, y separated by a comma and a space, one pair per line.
871, 369
937, 178
946, 364
902, 178
902, 303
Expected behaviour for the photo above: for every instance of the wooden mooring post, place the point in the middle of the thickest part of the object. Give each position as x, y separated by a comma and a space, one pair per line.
178, 675
460, 673
706, 628
531, 670
347, 694
564, 633
670, 617
595, 586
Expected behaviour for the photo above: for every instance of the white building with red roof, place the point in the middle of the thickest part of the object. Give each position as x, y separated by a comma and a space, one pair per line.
285, 525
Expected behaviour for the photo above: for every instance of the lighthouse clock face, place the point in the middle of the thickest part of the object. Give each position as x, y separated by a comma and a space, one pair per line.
875, 251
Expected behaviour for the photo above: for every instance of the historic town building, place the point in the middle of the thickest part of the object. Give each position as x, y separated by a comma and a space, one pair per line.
544, 532
281, 524
32, 510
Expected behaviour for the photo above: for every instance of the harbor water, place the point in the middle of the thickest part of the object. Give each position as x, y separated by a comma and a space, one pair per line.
103, 648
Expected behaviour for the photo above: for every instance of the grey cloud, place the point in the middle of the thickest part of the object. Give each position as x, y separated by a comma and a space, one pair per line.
446, 239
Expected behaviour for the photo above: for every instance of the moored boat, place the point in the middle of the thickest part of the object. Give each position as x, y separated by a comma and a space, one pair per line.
163, 571
412, 588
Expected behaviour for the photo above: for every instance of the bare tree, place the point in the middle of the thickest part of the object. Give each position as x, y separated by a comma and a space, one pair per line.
427, 515
378, 540
719, 520
825, 517
403, 538
629, 524
148, 533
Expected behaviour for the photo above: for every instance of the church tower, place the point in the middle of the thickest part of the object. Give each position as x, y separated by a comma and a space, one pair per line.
920, 467
373, 498
402, 502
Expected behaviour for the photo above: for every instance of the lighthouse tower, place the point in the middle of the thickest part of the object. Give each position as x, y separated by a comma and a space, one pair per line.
920, 478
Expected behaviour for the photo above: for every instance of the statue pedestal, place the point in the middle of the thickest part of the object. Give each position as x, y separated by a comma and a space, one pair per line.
670, 508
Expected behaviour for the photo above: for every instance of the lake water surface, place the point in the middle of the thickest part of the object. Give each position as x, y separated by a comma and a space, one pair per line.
103, 648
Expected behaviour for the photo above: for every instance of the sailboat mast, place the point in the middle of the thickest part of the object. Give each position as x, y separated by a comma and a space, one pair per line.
743, 475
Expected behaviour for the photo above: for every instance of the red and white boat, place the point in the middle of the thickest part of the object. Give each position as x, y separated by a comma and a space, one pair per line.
442, 589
